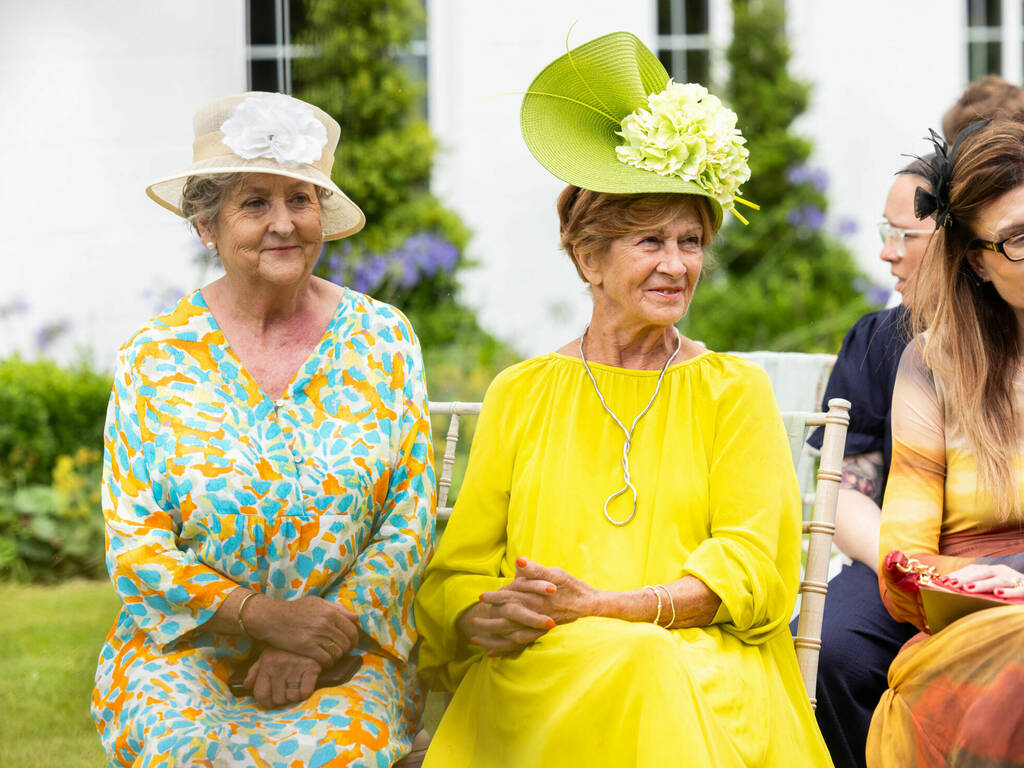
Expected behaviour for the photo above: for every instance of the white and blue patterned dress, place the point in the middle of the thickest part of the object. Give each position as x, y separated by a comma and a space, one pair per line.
209, 484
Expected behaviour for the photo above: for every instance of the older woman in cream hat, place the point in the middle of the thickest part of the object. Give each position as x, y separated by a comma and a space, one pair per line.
268, 487
614, 584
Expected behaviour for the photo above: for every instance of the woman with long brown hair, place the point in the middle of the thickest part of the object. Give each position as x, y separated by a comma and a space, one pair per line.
955, 491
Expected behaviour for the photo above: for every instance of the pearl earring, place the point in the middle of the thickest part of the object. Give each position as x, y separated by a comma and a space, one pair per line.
210, 245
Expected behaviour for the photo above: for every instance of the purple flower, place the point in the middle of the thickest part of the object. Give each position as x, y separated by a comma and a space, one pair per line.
847, 226
421, 256
879, 294
807, 216
798, 174
48, 333
16, 306
804, 174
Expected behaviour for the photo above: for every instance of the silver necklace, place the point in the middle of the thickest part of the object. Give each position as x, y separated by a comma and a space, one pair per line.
628, 433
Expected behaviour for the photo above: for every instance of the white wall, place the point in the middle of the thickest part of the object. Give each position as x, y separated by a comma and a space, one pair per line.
483, 55
883, 73
98, 98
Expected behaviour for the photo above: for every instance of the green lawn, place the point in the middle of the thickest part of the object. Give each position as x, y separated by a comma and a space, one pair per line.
49, 641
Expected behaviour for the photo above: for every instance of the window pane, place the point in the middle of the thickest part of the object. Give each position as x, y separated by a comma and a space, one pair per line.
696, 17
994, 12
296, 19
984, 59
664, 17
262, 22
667, 59
984, 13
263, 75
698, 66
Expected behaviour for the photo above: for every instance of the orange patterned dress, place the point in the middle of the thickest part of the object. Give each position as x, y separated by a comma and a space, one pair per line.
954, 697
209, 484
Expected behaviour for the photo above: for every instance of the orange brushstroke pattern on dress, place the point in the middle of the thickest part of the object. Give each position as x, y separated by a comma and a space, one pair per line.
209, 484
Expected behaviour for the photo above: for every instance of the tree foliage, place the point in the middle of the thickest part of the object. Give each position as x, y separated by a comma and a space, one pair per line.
412, 246
783, 282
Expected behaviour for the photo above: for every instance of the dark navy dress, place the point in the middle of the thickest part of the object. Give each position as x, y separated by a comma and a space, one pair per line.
859, 638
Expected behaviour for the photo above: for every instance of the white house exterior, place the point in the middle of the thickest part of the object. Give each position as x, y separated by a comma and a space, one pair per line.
98, 97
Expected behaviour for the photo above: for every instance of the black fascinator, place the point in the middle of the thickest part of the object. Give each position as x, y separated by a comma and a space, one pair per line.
939, 169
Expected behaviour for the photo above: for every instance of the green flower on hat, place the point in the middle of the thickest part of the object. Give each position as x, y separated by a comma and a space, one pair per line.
686, 132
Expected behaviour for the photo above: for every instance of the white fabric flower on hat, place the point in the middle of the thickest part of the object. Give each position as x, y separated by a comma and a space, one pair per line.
276, 127
687, 132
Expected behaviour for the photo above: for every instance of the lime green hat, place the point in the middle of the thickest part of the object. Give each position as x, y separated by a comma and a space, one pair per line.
607, 117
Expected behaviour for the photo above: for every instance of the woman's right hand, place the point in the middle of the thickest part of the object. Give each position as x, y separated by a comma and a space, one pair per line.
505, 623
310, 626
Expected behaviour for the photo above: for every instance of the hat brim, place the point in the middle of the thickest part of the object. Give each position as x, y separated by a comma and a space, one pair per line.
340, 217
573, 108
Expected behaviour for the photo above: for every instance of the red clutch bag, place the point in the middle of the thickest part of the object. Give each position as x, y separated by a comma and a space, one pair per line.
937, 602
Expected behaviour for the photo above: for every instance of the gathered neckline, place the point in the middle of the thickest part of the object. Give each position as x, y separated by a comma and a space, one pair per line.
629, 371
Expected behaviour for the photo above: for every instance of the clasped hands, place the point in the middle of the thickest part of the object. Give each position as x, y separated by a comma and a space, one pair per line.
302, 637
535, 601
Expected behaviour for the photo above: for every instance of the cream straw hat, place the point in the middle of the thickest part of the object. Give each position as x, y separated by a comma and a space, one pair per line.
266, 133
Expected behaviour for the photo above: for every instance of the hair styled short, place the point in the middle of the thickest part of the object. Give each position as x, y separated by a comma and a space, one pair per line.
589, 221
203, 196
991, 96
972, 332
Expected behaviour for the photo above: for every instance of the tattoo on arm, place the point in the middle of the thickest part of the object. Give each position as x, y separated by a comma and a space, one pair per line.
862, 472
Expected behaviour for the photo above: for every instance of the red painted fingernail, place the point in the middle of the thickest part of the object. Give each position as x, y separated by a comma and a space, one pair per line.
521, 562
970, 586
551, 589
550, 624
492, 655
999, 591
954, 582
473, 641
472, 621
481, 595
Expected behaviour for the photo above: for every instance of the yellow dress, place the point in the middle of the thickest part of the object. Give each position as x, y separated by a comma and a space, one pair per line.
718, 500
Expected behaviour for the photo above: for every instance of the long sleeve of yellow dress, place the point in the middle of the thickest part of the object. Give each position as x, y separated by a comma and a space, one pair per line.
718, 499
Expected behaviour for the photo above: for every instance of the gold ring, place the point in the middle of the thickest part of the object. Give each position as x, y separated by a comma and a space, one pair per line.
292, 686
1018, 583
331, 648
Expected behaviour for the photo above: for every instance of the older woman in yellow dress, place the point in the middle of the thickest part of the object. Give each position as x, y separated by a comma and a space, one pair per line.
268, 489
614, 586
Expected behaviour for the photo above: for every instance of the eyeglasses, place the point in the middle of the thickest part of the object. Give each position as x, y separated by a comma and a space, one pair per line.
1011, 247
888, 232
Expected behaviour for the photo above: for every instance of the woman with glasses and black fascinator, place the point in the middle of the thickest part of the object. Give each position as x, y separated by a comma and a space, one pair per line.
954, 503
615, 583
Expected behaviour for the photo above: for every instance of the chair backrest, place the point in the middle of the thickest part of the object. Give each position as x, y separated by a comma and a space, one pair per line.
820, 527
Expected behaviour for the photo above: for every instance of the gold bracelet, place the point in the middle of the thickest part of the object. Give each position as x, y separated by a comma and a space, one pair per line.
238, 616
668, 596
657, 594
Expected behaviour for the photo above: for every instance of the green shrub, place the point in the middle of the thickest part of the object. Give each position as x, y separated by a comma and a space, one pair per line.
46, 412
785, 282
54, 532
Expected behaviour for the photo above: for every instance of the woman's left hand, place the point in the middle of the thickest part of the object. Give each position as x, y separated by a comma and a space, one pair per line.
549, 591
282, 677
998, 579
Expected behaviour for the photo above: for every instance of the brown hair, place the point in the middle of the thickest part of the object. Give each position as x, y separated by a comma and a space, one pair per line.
989, 97
972, 332
589, 221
